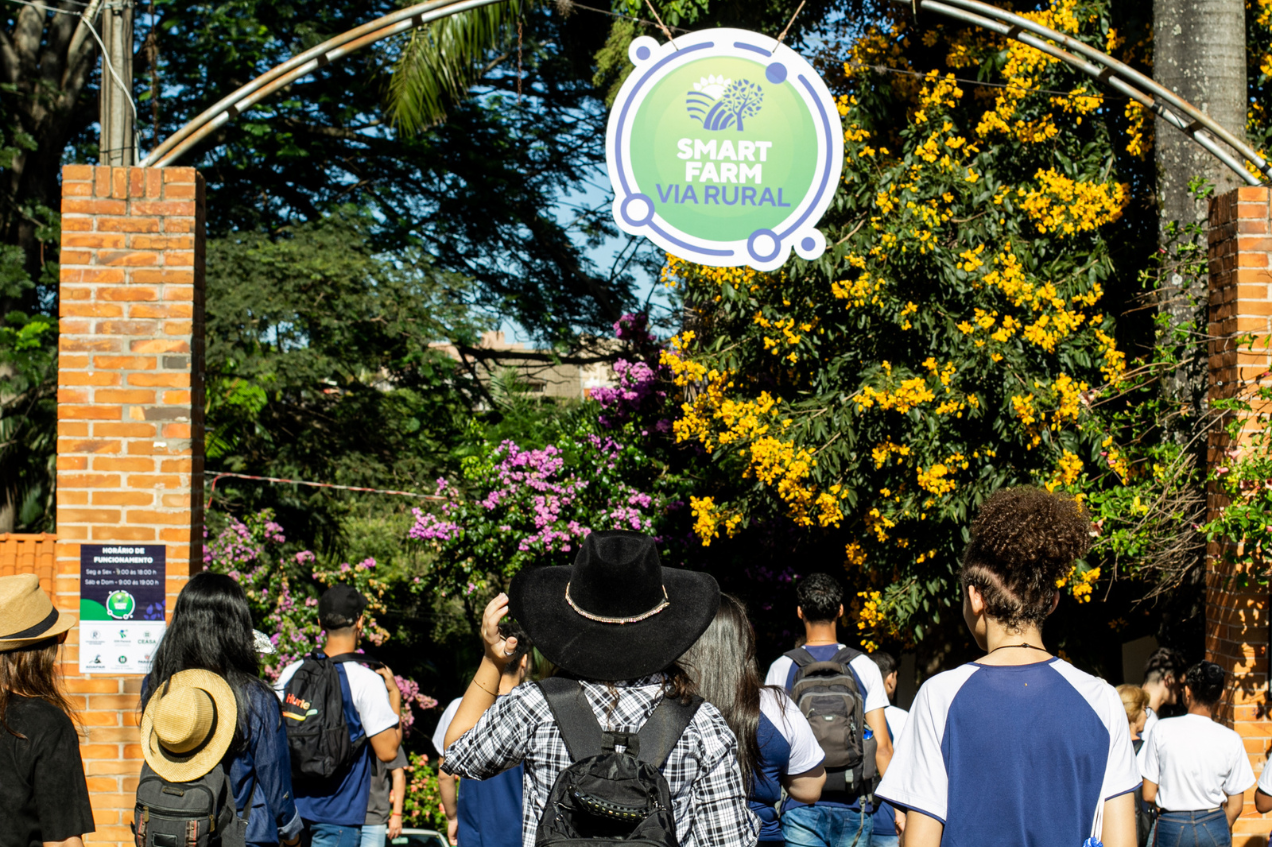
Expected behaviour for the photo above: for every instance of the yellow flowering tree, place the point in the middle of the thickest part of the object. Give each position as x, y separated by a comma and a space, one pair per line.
957, 336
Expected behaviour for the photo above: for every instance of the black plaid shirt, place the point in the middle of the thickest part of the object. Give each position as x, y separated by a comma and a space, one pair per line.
707, 794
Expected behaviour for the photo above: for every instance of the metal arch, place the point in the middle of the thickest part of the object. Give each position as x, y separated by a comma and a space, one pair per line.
299, 65
1121, 78
1096, 64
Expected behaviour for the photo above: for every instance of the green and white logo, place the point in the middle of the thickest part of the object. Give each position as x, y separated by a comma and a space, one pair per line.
725, 149
120, 605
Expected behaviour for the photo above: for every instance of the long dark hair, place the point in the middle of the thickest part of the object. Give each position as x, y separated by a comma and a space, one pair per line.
722, 666
31, 671
211, 630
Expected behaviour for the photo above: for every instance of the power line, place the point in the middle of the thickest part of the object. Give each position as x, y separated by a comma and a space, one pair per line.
219, 476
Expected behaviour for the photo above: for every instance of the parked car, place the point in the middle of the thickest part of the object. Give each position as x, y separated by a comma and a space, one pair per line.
418, 838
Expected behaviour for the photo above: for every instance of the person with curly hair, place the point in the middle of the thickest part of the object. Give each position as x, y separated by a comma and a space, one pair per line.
1019, 747
1196, 770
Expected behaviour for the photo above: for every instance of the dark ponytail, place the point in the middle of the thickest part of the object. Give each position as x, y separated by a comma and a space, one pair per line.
722, 668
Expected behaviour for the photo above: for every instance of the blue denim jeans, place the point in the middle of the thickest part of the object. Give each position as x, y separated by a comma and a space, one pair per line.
826, 826
375, 836
878, 840
333, 835
1193, 829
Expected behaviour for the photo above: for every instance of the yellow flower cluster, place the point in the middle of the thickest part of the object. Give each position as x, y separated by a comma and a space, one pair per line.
855, 555
871, 616
1067, 207
912, 392
1068, 470
707, 519
1116, 461
711, 418
1080, 584
938, 479
865, 288
886, 449
1114, 360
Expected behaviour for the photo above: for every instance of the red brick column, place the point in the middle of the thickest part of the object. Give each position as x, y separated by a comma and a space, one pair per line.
1240, 246
130, 420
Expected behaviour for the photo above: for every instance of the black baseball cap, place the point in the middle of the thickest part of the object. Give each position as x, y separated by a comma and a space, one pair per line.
343, 600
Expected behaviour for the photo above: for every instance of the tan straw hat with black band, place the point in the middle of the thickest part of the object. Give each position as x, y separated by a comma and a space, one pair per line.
27, 614
188, 725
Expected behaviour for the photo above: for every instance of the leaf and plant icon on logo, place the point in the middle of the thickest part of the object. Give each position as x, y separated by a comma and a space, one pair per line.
720, 103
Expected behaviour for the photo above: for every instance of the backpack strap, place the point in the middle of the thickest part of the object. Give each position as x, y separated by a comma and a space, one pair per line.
663, 729
800, 656
359, 658
845, 656
580, 730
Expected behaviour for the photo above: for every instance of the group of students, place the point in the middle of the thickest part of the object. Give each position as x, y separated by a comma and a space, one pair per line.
652, 725
213, 733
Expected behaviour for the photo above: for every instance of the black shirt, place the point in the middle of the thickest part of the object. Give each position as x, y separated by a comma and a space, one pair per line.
43, 795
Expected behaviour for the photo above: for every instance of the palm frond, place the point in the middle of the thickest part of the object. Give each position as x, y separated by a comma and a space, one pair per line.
441, 61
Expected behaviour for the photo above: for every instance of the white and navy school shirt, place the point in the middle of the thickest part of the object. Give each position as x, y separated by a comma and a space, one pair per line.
787, 748
1012, 754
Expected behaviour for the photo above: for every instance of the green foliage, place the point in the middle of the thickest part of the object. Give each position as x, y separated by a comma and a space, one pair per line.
441, 61
322, 365
958, 336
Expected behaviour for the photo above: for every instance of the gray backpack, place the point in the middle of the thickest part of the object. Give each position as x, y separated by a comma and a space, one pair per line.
199, 813
831, 696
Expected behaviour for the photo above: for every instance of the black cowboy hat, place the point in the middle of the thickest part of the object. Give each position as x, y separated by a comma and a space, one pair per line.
617, 613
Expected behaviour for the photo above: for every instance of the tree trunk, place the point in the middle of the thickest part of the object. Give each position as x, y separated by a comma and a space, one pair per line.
1199, 52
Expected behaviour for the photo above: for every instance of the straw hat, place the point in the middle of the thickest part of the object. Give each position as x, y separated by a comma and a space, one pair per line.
188, 725
27, 614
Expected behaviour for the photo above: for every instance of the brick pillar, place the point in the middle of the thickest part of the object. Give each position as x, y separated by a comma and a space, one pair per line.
130, 420
1240, 246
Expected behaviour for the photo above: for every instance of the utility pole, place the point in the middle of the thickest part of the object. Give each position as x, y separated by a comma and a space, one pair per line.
118, 112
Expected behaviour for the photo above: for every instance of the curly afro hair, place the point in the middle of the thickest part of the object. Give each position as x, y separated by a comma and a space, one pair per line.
1206, 681
1024, 541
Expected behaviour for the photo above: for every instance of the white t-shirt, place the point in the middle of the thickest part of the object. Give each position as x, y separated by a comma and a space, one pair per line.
443, 724
876, 697
1265, 781
1196, 763
896, 718
981, 741
370, 697
791, 724
1150, 721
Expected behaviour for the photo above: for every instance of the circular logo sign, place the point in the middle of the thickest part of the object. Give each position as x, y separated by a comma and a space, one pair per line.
724, 148
120, 604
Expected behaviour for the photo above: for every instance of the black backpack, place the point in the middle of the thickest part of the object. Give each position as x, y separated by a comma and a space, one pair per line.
313, 713
199, 813
607, 797
830, 696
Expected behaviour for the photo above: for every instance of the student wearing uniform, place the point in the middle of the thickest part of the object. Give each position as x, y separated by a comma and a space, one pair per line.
1135, 702
839, 818
1019, 747
885, 817
486, 812
1263, 791
776, 746
1196, 770
616, 621
211, 634
334, 811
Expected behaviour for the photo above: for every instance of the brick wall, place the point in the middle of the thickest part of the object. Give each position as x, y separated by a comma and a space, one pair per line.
130, 420
1240, 244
